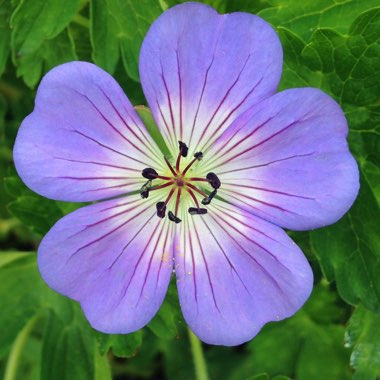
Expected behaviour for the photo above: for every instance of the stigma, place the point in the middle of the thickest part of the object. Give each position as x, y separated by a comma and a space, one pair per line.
177, 183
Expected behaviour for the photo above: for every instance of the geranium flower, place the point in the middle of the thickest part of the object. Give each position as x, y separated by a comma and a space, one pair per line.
246, 162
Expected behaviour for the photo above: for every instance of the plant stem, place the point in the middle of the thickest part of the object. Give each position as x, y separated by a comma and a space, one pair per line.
199, 360
81, 20
17, 348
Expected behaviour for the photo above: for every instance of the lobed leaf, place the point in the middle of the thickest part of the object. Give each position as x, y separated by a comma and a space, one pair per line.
305, 17
363, 335
34, 22
349, 251
118, 28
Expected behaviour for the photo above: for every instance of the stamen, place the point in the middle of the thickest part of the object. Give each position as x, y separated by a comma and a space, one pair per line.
214, 180
207, 200
178, 182
144, 191
149, 173
169, 196
197, 190
170, 167
161, 208
173, 218
197, 211
198, 179
197, 157
183, 149
164, 178
178, 162
194, 197
177, 200
171, 183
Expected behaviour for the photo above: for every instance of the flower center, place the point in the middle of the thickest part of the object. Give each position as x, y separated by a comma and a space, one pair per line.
179, 182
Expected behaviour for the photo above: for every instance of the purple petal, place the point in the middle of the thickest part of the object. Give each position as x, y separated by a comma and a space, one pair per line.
236, 272
200, 70
287, 161
115, 258
83, 141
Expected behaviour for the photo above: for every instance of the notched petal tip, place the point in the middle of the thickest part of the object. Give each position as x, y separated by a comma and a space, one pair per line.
115, 258
248, 273
84, 141
186, 73
289, 163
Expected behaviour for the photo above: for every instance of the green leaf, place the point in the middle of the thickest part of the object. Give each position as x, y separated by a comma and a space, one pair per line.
122, 345
68, 347
128, 21
295, 71
34, 22
103, 32
81, 40
5, 32
51, 53
349, 251
350, 63
304, 17
363, 335
20, 295
346, 66
38, 213
219, 5
261, 376
304, 346
166, 323
8, 256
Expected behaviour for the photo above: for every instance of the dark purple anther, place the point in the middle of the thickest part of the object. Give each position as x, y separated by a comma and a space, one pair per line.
197, 211
149, 173
214, 180
198, 155
183, 148
207, 200
161, 208
173, 218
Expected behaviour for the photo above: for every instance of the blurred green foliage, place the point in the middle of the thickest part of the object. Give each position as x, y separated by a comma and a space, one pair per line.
333, 45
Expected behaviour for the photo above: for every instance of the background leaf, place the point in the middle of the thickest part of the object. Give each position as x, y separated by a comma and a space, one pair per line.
305, 17
363, 335
5, 32
128, 21
34, 22
350, 251
68, 342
